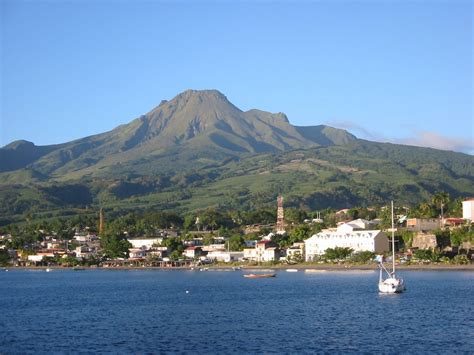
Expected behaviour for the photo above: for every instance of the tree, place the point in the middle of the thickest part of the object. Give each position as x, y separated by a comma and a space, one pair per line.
173, 244
68, 261
283, 240
455, 207
338, 253
189, 222
362, 256
424, 210
236, 242
441, 199
208, 239
458, 235
299, 234
175, 255
294, 215
353, 213
407, 237
114, 245
4, 257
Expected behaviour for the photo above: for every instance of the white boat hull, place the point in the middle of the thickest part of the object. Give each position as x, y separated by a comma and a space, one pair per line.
391, 285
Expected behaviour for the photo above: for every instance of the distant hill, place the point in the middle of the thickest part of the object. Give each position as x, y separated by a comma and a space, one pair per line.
198, 150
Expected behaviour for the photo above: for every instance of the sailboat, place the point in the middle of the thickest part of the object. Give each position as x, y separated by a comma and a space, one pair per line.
391, 284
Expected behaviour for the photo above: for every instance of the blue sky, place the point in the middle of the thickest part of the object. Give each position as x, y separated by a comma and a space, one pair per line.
397, 71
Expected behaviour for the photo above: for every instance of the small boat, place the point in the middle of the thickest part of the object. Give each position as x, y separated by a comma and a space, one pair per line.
48, 270
392, 284
259, 276
291, 270
78, 268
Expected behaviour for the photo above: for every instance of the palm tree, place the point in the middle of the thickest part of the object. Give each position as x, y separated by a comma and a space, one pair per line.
425, 209
441, 199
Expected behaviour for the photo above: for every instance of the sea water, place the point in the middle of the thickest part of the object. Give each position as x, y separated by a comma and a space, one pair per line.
154, 311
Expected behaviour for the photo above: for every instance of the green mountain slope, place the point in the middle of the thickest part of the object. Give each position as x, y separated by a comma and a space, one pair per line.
201, 127
198, 151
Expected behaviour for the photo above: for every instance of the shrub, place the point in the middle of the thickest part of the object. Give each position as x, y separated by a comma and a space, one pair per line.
362, 256
461, 260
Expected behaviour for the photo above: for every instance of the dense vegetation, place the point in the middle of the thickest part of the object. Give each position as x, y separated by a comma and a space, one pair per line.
358, 174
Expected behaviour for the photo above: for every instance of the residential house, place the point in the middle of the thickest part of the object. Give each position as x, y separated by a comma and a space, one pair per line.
295, 249
265, 250
84, 251
84, 237
193, 252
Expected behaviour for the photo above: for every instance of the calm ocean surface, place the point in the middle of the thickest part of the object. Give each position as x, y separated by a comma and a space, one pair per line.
149, 311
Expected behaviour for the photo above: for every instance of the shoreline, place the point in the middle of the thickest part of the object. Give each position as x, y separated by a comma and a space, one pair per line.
298, 267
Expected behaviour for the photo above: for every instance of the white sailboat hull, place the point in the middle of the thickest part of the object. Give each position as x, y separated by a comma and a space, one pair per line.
391, 285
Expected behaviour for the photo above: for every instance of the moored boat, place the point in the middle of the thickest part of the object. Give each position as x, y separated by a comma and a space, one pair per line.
259, 276
392, 284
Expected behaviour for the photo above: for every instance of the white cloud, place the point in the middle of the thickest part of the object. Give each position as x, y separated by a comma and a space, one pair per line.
438, 141
417, 138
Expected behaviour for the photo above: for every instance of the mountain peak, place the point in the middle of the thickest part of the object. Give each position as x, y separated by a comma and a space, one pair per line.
201, 94
20, 144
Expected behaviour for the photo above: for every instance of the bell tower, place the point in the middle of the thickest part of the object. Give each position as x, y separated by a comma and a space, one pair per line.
280, 226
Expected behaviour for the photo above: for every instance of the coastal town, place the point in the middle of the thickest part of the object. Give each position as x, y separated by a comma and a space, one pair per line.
443, 240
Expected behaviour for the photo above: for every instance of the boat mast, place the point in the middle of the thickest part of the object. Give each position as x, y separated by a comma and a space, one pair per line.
393, 243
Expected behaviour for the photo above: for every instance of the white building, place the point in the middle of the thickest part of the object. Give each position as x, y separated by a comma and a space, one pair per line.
265, 250
361, 240
145, 242
137, 253
468, 209
357, 224
193, 252
295, 249
225, 256
85, 252
84, 237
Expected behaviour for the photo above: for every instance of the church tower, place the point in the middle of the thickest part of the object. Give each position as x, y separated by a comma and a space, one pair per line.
101, 221
280, 227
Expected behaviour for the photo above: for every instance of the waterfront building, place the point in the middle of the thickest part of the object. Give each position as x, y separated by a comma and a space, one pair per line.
265, 250
295, 249
84, 251
359, 240
193, 252
137, 253
225, 256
